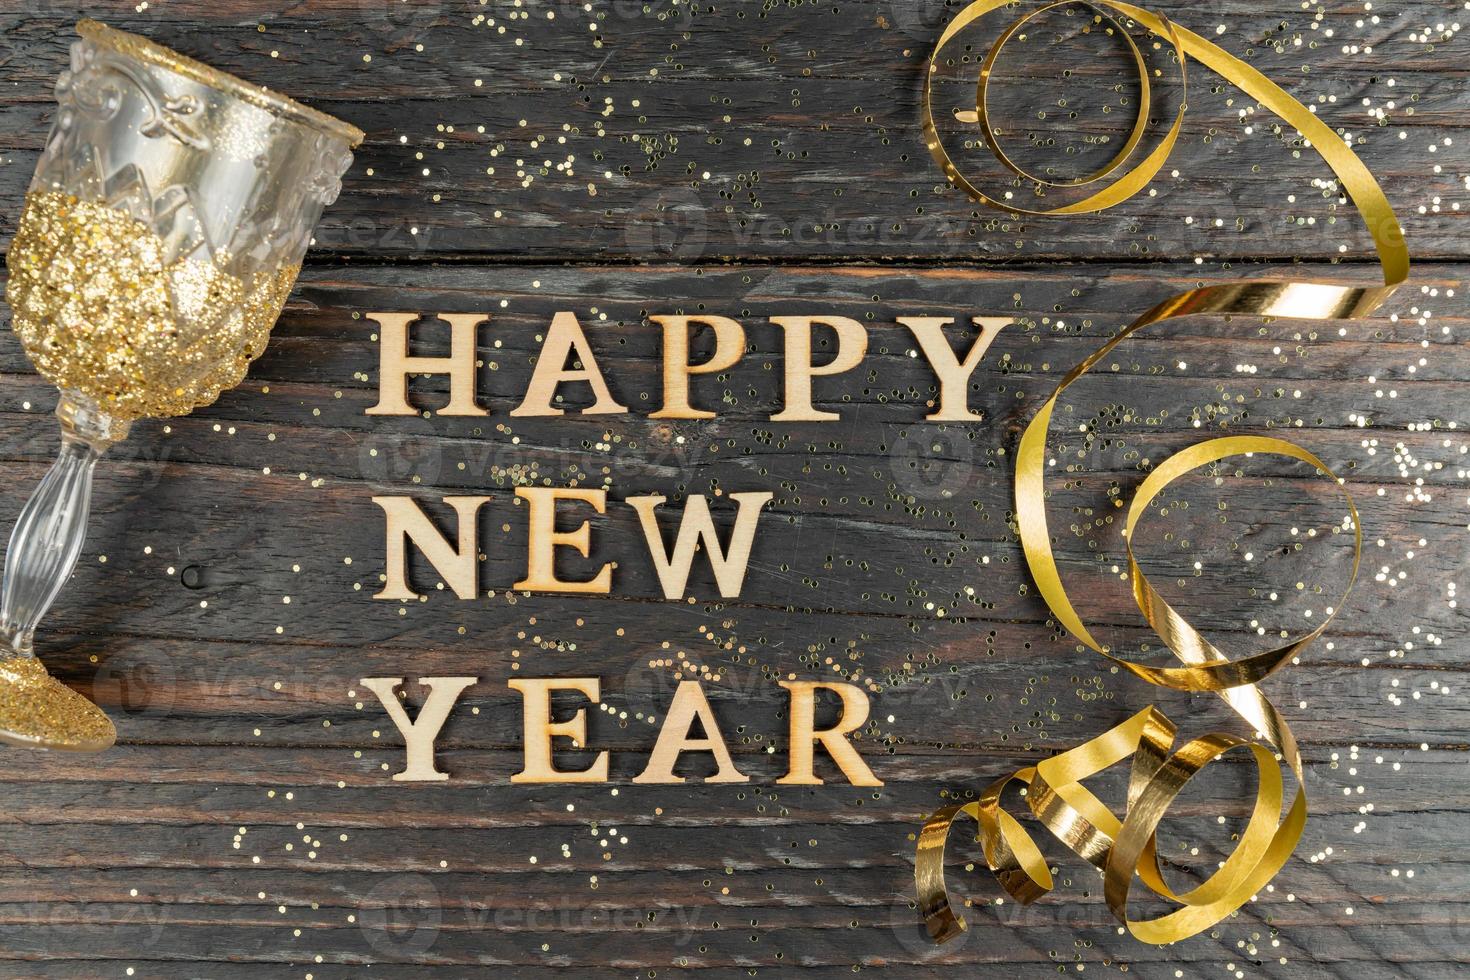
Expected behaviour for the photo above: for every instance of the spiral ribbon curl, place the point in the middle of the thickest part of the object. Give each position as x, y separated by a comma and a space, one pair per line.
1123, 848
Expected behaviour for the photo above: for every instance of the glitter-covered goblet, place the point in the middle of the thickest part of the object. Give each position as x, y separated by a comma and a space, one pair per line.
161, 234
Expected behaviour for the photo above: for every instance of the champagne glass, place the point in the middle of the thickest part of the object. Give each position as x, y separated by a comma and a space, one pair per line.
160, 237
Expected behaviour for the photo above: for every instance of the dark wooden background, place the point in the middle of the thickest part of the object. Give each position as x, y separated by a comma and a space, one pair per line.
752, 159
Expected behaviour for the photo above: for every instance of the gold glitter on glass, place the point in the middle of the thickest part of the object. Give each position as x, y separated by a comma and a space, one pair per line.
99, 311
38, 710
163, 229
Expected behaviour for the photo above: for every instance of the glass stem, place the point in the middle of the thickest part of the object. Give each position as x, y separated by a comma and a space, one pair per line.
52, 528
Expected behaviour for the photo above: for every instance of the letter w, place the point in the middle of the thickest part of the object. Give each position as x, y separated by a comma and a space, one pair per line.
696, 526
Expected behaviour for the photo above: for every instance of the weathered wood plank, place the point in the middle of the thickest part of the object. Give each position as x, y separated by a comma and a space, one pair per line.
220, 673
789, 130
786, 135
1339, 951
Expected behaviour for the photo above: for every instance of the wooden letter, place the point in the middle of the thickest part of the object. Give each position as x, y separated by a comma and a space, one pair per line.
729, 346
696, 526
852, 344
562, 338
419, 735
537, 729
395, 364
673, 739
406, 521
954, 376
544, 539
803, 715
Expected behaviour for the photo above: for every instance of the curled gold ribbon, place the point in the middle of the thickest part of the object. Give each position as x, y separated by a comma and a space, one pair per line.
1125, 848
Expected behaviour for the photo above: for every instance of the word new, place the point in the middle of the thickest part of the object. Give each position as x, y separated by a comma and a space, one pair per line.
407, 523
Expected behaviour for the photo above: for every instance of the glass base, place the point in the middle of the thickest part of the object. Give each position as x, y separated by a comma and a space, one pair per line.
37, 711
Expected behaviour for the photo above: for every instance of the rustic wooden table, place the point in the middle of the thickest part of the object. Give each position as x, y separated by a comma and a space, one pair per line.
752, 158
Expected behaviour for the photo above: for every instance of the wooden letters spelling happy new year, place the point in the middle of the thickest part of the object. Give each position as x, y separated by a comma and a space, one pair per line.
565, 358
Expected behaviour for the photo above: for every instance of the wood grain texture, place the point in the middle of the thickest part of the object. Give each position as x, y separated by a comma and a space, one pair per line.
245, 827
752, 129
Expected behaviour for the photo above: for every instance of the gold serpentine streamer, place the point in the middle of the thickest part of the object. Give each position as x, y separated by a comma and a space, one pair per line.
1125, 848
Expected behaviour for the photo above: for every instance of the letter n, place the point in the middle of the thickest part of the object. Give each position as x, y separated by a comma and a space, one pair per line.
406, 522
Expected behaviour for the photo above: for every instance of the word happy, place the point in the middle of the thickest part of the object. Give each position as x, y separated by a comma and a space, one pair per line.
564, 340
566, 358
